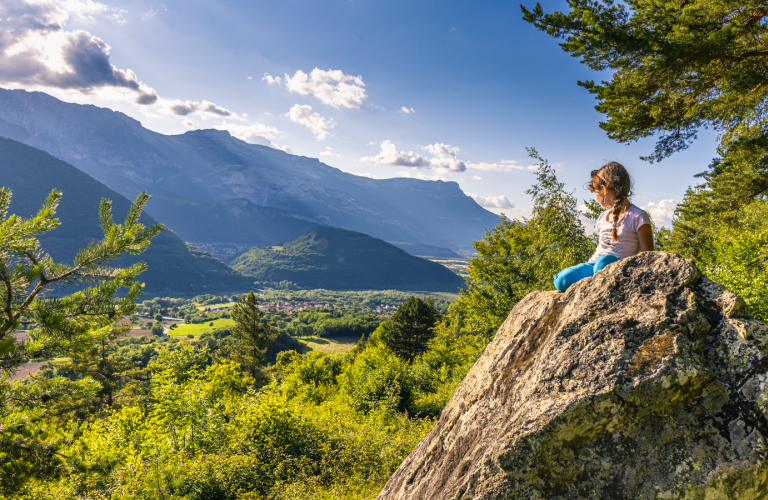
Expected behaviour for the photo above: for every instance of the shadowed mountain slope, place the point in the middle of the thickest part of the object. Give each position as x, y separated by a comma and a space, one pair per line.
192, 174
337, 259
173, 266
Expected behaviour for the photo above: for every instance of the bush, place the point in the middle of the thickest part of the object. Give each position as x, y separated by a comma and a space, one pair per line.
378, 379
157, 330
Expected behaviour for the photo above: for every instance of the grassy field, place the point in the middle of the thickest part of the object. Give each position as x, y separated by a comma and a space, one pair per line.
330, 346
201, 328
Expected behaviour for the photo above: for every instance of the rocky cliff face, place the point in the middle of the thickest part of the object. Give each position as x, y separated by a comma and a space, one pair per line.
645, 381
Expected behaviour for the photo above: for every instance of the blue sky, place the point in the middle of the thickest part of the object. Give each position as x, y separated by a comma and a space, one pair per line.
432, 89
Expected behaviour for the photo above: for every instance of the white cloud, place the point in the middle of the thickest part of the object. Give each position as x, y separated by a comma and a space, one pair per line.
328, 152
331, 87
497, 202
444, 159
37, 53
661, 212
276, 80
255, 133
313, 121
534, 168
389, 156
205, 109
502, 166
406, 111
474, 178
250, 78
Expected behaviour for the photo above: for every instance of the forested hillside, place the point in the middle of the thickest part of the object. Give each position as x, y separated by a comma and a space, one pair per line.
173, 266
337, 259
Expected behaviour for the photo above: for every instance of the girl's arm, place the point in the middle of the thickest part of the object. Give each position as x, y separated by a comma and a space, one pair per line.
645, 235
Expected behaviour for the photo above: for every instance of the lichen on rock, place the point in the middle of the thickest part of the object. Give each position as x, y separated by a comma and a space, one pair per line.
646, 381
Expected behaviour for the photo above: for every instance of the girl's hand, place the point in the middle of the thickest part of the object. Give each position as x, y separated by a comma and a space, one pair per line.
645, 235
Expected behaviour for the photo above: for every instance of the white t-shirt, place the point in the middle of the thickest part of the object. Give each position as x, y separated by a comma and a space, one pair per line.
629, 243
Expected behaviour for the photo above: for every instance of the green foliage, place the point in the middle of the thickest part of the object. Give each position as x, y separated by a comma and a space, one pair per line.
338, 259
518, 257
379, 379
311, 377
410, 328
676, 66
67, 325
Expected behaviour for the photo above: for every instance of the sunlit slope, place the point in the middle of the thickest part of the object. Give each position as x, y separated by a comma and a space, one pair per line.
337, 259
173, 266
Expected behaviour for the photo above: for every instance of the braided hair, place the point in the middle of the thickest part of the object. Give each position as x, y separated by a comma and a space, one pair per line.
616, 179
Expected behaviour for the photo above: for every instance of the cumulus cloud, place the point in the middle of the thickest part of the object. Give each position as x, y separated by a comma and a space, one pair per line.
272, 80
255, 133
406, 111
493, 202
329, 152
502, 166
313, 121
661, 212
205, 108
36, 51
444, 158
331, 87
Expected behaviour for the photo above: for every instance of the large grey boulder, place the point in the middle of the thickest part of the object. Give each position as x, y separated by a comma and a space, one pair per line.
645, 381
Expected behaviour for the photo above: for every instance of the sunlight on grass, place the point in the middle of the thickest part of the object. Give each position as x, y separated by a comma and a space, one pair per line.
201, 328
330, 346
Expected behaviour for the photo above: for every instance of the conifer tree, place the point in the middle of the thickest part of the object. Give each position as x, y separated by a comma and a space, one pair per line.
411, 326
58, 324
113, 373
252, 337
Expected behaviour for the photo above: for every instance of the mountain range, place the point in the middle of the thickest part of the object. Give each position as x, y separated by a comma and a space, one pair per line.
211, 187
338, 259
172, 265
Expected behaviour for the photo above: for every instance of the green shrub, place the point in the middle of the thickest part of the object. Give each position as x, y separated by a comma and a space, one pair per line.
378, 379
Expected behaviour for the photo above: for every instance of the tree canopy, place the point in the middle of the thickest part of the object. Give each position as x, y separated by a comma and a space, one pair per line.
411, 326
678, 66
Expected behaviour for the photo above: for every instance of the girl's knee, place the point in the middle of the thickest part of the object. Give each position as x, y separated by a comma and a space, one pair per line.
571, 275
604, 260
560, 283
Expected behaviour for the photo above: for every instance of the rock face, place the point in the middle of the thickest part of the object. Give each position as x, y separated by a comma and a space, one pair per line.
645, 381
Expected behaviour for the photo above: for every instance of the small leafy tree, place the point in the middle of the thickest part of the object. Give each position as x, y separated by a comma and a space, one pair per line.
59, 324
520, 256
252, 337
379, 379
410, 328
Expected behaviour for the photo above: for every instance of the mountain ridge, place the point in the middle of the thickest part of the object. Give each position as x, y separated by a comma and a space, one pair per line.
211, 166
172, 266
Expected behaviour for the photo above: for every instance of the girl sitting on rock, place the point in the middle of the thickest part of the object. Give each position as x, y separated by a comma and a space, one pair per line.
624, 230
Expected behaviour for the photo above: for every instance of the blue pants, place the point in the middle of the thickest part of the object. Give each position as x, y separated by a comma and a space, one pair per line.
571, 275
